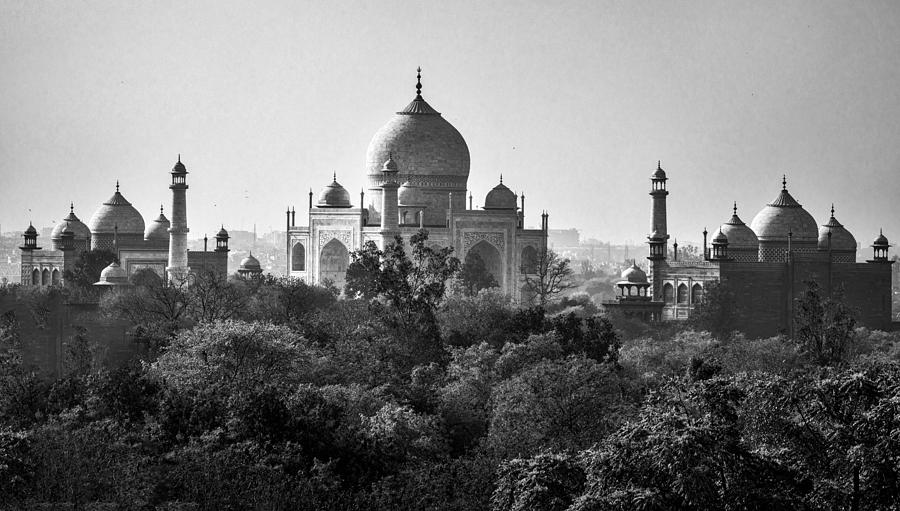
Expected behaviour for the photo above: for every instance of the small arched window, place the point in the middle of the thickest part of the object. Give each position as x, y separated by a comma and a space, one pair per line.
696, 294
45, 277
55, 277
682, 293
668, 293
298, 257
36, 277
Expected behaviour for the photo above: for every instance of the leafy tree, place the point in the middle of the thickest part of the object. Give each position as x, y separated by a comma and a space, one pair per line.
88, 266
552, 276
823, 327
717, 311
213, 298
286, 300
545, 482
155, 308
475, 276
412, 285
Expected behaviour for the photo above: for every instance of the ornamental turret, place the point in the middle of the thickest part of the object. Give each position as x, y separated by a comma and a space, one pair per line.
389, 186
880, 249
222, 240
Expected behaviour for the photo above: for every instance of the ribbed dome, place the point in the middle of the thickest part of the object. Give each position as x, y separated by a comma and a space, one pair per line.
409, 195
159, 228
500, 197
881, 241
31, 230
113, 275
782, 216
334, 196
222, 233
738, 234
250, 263
424, 142
841, 239
80, 230
117, 212
634, 275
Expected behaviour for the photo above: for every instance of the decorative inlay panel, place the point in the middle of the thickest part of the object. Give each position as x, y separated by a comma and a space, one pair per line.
494, 238
344, 236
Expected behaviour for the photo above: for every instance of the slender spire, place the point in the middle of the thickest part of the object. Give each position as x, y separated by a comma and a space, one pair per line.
784, 182
160, 209
658, 164
501, 178
832, 209
735, 207
179, 157
72, 207
117, 185
418, 83
334, 176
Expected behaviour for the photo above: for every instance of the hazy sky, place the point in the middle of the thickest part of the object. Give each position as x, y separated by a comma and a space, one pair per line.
572, 101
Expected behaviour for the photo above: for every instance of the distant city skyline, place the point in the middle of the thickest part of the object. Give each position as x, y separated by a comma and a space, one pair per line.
572, 103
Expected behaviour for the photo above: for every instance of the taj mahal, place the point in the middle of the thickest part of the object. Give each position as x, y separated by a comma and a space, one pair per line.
417, 168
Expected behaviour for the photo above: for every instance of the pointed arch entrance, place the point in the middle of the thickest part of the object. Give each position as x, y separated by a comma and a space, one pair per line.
489, 254
333, 261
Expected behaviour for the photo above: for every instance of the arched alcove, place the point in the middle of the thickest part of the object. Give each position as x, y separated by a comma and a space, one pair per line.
696, 293
333, 262
668, 293
682, 293
36, 277
45, 277
529, 260
491, 257
298, 257
55, 277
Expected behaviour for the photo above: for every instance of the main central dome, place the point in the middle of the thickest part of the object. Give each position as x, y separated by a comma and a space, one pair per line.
426, 147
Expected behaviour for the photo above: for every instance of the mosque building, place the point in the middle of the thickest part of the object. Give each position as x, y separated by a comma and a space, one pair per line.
117, 226
417, 168
766, 266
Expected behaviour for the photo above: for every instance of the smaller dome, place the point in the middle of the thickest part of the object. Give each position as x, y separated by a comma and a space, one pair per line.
179, 167
659, 173
409, 195
81, 231
389, 165
738, 234
113, 275
500, 197
334, 196
720, 237
250, 263
31, 231
159, 228
222, 233
841, 239
634, 275
880, 241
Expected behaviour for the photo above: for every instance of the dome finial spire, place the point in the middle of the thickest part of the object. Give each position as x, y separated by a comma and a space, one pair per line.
117, 186
784, 182
72, 207
735, 208
658, 164
832, 210
419, 82
501, 178
334, 176
160, 209
179, 157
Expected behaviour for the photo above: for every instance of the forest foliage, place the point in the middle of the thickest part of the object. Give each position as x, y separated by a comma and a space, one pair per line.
410, 392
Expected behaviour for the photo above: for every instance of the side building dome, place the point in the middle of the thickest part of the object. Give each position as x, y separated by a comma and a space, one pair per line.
158, 230
743, 245
842, 244
82, 234
116, 214
634, 275
501, 197
409, 195
433, 154
113, 275
334, 196
780, 218
249, 266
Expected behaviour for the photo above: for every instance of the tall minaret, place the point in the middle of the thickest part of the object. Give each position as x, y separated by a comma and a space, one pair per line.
658, 233
178, 262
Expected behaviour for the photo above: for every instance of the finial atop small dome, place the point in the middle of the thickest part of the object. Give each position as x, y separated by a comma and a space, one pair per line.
501, 178
784, 182
419, 82
334, 176
735, 208
117, 185
390, 165
72, 207
832, 210
160, 209
658, 164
